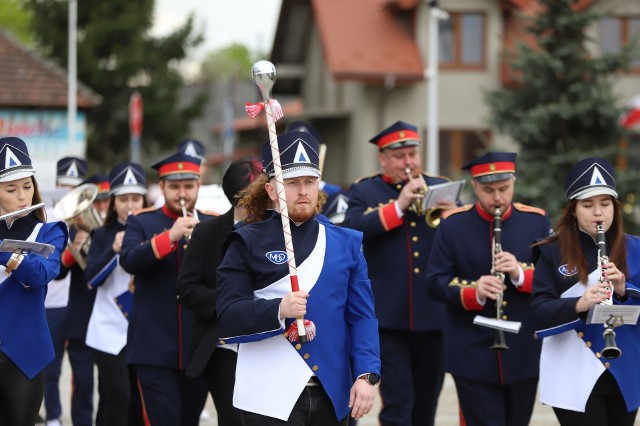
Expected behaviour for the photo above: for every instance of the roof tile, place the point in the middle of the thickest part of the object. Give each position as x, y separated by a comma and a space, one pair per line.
364, 39
30, 81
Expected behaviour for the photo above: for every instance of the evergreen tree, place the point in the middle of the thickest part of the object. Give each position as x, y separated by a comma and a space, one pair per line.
116, 55
562, 107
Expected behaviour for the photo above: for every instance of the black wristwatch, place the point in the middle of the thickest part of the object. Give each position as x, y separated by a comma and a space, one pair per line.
372, 378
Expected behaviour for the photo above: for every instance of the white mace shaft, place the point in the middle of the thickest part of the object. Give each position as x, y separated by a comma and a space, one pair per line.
282, 201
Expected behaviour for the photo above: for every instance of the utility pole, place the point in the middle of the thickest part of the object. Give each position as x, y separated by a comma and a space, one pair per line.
431, 73
72, 87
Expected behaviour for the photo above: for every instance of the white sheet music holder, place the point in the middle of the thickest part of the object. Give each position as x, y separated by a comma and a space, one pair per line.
510, 326
613, 315
26, 247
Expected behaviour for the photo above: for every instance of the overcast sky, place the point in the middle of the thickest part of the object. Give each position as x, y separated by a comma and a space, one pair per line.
249, 22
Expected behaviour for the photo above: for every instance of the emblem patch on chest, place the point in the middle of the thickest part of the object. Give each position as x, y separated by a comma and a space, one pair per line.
277, 257
564, 270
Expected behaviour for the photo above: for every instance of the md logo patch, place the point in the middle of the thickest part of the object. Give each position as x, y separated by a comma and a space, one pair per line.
277, 257
564, 270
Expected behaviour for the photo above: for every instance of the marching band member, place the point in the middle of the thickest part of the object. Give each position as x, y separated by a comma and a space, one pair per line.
397, 242
582, 386
496, 385
78, 313
159, 328
70, 172
107, 329
197, 291
25, 342
278, 380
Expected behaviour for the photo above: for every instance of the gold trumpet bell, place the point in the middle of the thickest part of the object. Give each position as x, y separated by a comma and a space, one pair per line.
432, 216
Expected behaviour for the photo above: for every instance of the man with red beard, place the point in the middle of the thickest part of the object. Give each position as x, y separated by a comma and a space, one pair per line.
159, 328
279, 380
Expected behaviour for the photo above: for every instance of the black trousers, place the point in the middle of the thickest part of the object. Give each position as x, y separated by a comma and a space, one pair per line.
20, 398
488, 404
605, 407
220, 375
412, 377
52, 406
313, 408
115, 393
81, 360
169, 397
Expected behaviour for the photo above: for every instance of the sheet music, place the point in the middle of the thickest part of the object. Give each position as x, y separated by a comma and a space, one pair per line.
510, 326
26, 247
622, 314
443, 192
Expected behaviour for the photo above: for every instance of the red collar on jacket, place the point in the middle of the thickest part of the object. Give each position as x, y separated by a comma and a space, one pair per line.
169, 213
488, 216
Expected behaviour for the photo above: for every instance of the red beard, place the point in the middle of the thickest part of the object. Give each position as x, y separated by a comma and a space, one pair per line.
301, 213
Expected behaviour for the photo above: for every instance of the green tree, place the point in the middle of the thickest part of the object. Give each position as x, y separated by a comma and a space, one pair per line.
15, 18
224, 64
116, 55
563, 107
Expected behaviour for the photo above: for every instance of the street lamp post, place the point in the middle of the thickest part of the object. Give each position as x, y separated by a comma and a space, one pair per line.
72, 90
431, 73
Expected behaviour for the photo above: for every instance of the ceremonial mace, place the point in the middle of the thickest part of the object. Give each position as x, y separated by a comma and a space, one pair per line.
263, 74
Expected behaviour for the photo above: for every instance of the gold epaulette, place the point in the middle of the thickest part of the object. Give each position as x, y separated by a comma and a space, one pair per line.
145, 210
366, 177
438, 177
447, 213
529, 209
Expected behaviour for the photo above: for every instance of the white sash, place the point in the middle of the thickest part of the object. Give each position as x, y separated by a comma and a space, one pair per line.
568, 368
107, 329
271, 374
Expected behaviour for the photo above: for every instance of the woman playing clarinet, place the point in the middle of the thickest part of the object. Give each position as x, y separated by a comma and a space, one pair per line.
25, 343
585, 381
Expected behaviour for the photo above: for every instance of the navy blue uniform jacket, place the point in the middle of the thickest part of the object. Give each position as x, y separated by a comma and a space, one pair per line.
159, 328
397, 252
462, 254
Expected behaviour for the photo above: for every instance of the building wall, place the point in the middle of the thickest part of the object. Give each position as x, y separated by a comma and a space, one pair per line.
348, 114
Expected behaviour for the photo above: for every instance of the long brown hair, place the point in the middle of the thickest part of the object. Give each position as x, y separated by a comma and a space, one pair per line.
40, 214
568, 236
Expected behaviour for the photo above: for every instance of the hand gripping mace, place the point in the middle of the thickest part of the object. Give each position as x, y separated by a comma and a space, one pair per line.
264, 76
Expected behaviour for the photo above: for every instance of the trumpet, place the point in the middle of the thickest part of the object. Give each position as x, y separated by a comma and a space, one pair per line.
185, 213
499, 342
610, 350
432, 215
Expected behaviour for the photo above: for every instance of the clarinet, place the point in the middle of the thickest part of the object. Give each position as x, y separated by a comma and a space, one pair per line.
499, 342
603, 259
610, 350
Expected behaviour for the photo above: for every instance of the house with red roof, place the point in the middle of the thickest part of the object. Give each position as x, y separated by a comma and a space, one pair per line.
358, 66
33, 106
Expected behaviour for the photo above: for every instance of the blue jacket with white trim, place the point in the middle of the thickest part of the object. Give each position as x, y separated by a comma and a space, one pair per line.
340, 304
555, 314
24, 332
